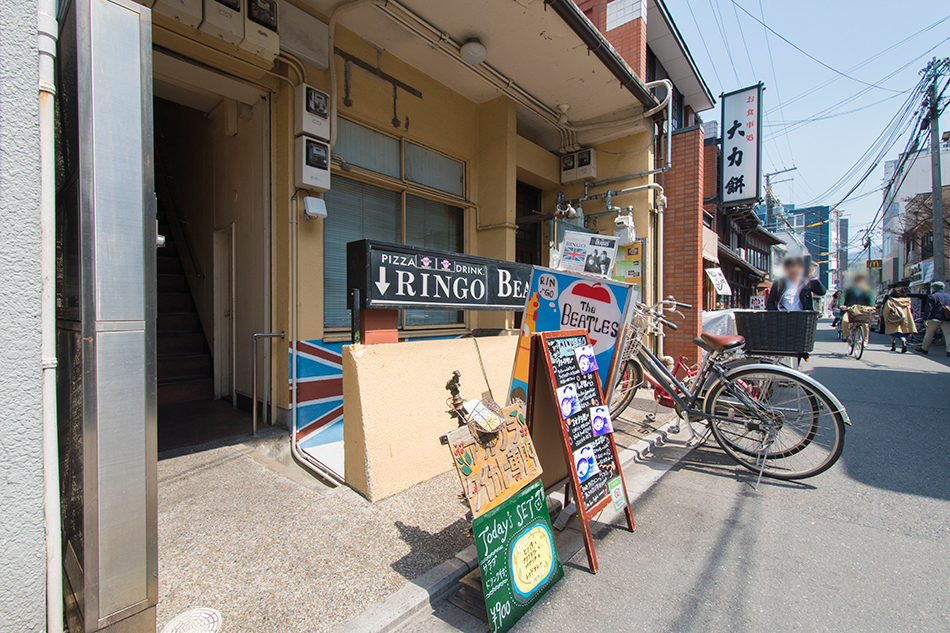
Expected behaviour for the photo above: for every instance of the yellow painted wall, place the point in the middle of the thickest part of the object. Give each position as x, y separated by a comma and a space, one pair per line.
394, 398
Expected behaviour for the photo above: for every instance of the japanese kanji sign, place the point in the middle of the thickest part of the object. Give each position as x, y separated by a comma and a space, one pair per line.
493, 467
740, 177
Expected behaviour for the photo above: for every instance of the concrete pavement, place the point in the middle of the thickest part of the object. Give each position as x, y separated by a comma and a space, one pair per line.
863, 547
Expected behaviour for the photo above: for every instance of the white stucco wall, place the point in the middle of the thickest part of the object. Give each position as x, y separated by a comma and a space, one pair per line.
22, 586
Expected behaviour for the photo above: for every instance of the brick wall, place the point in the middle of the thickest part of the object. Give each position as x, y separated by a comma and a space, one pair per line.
683, 238
630, 40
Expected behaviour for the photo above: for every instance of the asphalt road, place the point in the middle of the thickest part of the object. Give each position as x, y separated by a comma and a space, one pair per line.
863, 547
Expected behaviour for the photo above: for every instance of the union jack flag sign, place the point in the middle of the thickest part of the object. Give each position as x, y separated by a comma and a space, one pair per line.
575, 254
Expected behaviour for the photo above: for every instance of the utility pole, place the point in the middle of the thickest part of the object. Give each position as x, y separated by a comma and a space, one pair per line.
769, 220
940, 233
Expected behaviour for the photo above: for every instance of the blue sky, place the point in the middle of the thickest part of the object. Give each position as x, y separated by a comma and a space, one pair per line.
840, 34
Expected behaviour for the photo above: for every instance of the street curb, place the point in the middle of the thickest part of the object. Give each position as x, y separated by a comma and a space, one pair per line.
430, 588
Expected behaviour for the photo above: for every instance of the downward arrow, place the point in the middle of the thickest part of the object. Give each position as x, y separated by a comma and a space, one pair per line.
382, 284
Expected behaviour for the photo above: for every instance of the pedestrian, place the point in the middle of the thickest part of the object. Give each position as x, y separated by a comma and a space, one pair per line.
833, 306
859, 294
936, 311
898, 318
795, 292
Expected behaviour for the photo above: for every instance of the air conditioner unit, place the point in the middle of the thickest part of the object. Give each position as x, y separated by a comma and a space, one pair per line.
261, 28
185, 11
223, 19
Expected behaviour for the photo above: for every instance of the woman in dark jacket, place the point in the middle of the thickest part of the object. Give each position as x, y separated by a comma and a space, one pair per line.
794, 291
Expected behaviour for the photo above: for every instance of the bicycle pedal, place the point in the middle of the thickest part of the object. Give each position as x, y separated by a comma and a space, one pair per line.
674, 430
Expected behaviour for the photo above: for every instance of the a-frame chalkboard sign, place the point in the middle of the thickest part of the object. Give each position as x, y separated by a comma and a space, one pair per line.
571, 409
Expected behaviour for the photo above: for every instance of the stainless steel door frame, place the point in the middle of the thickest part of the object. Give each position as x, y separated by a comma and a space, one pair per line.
110, 96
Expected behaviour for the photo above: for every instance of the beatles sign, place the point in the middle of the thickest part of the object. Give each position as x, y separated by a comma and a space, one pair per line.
399, 276
569, 301
741, 174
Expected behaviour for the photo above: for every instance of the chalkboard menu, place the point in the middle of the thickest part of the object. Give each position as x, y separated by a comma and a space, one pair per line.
566, 361
517, 556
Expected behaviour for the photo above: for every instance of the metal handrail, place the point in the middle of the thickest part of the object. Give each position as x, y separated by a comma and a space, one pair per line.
175, 223
257, 336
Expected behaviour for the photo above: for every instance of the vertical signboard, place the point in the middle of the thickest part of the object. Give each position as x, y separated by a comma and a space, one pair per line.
741, 174
517, 556
566, 362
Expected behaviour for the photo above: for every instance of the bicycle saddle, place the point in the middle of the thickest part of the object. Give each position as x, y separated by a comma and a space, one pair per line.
720, 343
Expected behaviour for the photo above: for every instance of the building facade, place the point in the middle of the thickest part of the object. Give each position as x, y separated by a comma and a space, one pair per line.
443, 127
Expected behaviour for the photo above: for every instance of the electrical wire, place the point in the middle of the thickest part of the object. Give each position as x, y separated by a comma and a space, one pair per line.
768, 46
702, 38
864, 63
807, 54
725, 42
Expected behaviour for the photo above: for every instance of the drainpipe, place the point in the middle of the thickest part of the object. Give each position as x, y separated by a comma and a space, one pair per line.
301, 457
47, 30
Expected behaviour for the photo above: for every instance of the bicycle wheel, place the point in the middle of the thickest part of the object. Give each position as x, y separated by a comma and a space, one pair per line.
628, 381
803, 430
861, 334
851, 342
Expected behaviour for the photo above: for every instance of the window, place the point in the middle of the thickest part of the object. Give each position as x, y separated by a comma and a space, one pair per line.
358, 210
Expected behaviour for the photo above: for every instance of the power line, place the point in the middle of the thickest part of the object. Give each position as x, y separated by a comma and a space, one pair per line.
722, 34
807, 54
867, 61
689, 5
778, 96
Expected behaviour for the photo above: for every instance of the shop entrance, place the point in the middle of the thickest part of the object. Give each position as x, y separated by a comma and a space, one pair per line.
211, 176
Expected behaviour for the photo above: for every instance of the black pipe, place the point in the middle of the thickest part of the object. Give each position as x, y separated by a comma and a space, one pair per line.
572, 15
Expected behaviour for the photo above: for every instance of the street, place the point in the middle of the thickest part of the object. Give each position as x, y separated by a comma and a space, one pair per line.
862, 547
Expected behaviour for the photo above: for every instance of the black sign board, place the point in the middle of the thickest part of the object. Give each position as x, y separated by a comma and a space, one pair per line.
405, 277
590, 452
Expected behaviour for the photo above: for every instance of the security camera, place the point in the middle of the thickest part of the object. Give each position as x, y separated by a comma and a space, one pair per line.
314, 208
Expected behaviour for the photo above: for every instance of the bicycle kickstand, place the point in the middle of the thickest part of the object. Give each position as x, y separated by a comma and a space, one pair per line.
765, 458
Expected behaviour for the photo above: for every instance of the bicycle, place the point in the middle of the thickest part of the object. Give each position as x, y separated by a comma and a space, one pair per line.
859, 320
769, 418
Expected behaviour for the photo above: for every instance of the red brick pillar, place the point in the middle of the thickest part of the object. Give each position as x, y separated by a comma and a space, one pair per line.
683, 239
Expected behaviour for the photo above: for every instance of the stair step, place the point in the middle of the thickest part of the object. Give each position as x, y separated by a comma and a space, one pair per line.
175, 302
178, 322
181, 344
168, 265
172, 283
185, 367
186, 391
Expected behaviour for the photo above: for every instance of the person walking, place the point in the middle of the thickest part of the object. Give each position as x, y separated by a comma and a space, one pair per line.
835, 310
936, 311
795, 291
898, 318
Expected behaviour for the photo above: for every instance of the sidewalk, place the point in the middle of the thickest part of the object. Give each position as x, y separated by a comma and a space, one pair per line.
274, 549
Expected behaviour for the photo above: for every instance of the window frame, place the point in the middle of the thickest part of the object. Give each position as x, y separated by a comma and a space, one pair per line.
406, 188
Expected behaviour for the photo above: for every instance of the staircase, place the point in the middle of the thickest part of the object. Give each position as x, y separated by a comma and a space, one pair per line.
185, 367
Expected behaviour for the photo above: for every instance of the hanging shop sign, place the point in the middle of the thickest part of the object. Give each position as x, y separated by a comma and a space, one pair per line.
719, 282
566, 301
757, 302
588, 253
741, 175
398, 276
493, 467
875, 263
516, 555
565, 401
629, 266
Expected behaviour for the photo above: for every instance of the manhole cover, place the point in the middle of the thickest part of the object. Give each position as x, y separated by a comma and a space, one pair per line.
201, 620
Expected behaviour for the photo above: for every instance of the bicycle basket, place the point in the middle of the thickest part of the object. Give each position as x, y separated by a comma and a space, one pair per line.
777, 333
860, 315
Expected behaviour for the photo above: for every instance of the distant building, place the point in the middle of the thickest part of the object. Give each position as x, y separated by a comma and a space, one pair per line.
913, 179
813, 228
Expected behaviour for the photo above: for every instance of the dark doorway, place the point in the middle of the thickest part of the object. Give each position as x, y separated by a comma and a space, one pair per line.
529, 233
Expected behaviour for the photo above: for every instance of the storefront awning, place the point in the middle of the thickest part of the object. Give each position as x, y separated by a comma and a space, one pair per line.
710, 245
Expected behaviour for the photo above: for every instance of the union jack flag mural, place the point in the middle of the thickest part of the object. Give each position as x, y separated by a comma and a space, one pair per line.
319, 429
575, 254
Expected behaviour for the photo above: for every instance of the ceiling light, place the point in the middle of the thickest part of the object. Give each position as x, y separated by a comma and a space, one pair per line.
473, 52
